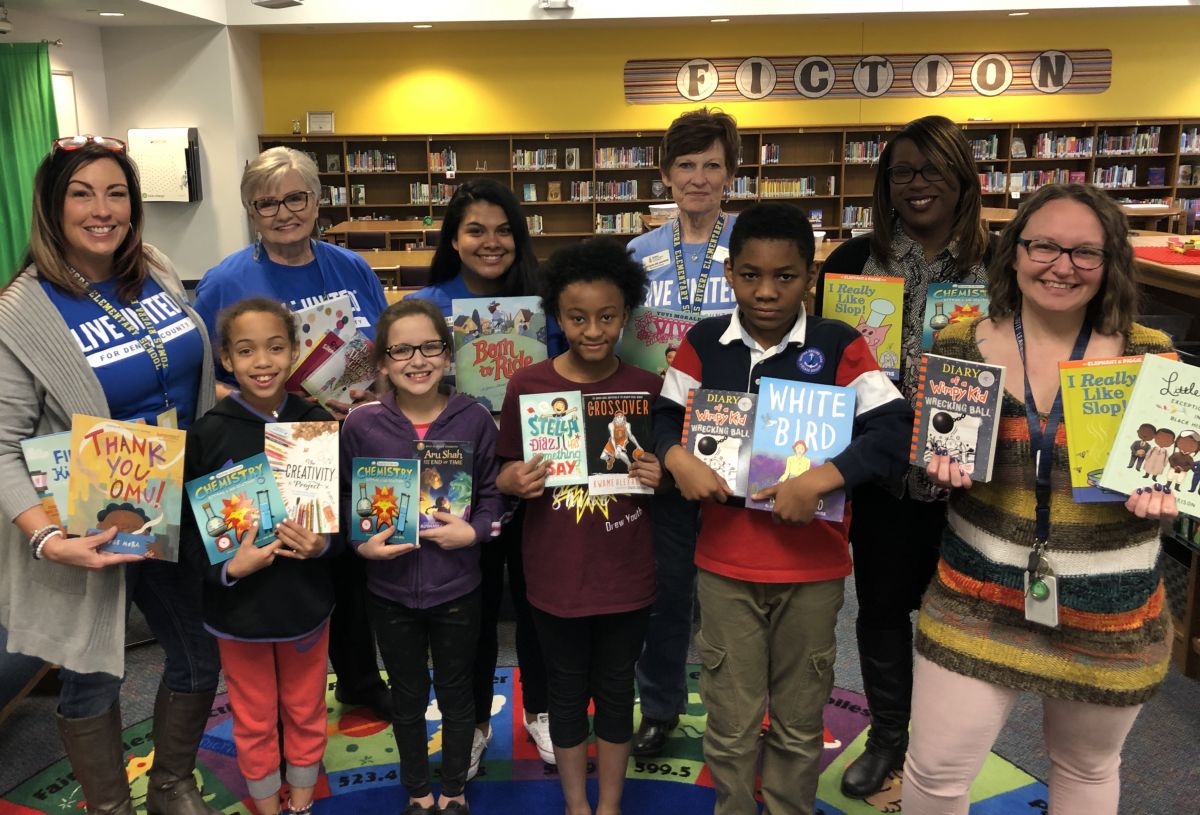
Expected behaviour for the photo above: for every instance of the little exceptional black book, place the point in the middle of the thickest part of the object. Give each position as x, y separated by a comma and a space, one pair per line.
957, 411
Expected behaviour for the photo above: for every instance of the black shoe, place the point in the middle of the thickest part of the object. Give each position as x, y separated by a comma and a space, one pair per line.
416, 809
868, 773
377, 698
455, 807
652, 736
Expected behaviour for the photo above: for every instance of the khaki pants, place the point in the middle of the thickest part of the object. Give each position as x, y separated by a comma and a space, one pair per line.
760, 643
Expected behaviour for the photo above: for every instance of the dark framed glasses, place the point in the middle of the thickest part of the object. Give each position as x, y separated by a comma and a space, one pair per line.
1082, 257
429, 350
294, 201
75, 142
903, 174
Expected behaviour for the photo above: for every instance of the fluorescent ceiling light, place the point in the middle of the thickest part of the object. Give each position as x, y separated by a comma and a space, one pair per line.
1018, 14
112, 13
720, 20
423, 25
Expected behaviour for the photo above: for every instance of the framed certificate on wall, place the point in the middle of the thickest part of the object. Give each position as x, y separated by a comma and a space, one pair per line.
320, 121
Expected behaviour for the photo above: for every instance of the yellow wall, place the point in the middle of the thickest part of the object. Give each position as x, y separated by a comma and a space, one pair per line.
571, 79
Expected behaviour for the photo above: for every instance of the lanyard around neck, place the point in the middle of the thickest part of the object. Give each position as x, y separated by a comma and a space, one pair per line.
694, 305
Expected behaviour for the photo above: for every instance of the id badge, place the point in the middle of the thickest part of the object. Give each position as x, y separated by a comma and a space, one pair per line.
169, 418
1043, 611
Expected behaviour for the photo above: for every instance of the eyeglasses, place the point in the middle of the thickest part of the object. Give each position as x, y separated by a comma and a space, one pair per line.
902, 173
75, 142
294, 201
1082, 257
429, 350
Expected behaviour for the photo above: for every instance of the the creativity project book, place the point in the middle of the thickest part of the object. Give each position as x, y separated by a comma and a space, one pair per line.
130, 476
552, 427
48, 460
1095, 393
304, 459
446, 479
494, 337
617, 431
874, 306
957, 410
718, 427
385, 492
651, 337
229, 501
798, 426
347, 367
1165, 400
949, 303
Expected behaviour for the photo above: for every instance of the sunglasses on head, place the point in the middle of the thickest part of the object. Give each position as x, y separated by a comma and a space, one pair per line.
76, 142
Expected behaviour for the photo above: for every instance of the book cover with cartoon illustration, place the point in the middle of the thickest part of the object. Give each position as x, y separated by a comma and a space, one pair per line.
330, 317
718, 427
873, 306
494, 337
652, 336
1165, 399
130, 476
552, 427
617, 432
385, 492
949, 303
227, 502
798, 426
957, 410
1095, 393
347, 368
304, 458
48, 460
446, 479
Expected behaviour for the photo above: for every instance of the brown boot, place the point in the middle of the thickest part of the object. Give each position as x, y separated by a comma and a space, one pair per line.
179, 720
98, 761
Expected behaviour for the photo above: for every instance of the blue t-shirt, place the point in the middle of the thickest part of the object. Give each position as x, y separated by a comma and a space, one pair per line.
333, 272
654, 251
442, 295
130, 381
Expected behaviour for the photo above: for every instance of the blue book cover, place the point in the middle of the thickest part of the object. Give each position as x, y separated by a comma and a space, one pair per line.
798, 426
385, 492
227, 502
949, 303
447, 476
48, 459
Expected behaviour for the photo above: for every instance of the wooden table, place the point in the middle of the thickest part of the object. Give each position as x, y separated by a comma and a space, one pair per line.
996, 216
410, 228
391, 265
1147, 215
1179, 279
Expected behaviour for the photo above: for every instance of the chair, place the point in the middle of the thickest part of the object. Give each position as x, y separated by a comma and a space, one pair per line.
413, 275
366, 240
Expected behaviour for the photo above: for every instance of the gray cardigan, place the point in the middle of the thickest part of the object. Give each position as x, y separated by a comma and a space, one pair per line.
66, 615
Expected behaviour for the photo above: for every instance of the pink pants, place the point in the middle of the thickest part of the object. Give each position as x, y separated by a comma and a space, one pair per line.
270, 681
956, 719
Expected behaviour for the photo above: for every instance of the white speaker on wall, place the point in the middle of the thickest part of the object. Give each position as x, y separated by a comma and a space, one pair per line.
168, 160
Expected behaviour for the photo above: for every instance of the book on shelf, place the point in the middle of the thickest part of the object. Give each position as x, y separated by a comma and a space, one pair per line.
304, 459
651, 337
358, 194
552, 427
798, 426
48, 461
571, 158
447, 479
494, 337
616, 431
385, 493
529, 192
874, 306
553, 190
718, 428
949, 303
333, 162
227, 502
1017, 148
1156, 176
957, 410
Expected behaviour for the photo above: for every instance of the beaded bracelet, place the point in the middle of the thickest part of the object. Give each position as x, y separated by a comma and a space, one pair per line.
38, 539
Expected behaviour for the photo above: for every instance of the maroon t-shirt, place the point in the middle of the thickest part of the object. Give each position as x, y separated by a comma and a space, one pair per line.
584, 554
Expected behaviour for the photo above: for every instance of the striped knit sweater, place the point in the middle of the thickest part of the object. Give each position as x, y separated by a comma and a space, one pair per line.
1113, 642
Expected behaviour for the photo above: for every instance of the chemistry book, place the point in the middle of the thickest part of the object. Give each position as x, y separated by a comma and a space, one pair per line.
874, 306
384, 492
304, 458
347, 368
552, 427
494, 337
798, 426
130, 476
652, 336
617, 430
1165, 400
48, 460
949, 303
229, 501
718, 428
957, 410
447, 479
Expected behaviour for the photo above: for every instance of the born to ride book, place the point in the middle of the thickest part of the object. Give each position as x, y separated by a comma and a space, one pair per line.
494, 337
874, 306
384, 492
226, 503
957, 411
552, 427
718, 427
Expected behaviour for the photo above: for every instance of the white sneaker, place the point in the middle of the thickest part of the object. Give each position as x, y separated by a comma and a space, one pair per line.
539, 731
479, 744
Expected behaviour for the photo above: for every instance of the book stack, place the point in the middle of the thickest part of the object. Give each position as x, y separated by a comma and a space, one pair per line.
1189, 140
859, 217
744, 187
370, 161
1139, 143
535, 224
443, 161
620, 158
617, 190
770, 154
992, 180
1115, 176
864, 152
985, 149
620, 223
544, 159
582, 190
1052, 145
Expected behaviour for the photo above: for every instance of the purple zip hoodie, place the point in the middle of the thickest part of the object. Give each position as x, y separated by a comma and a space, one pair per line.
430, 575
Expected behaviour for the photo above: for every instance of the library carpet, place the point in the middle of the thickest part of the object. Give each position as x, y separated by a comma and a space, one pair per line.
361, 775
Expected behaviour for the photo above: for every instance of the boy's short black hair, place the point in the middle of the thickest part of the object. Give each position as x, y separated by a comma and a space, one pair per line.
597, 259
773, 221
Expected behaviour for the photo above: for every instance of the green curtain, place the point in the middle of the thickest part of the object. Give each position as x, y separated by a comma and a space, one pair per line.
28, 126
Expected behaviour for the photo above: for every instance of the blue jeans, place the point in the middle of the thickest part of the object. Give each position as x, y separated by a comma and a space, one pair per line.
168, 595
662, 667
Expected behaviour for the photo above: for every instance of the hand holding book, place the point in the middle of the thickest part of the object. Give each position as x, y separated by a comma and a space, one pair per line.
798, 498
695, 479
377, 547
646, 469
947, 471
298, 541
454, 533
524, 479
1157, 502
249, 558
85, 551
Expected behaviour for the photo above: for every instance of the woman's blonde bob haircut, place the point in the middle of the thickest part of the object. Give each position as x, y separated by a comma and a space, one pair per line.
273, 163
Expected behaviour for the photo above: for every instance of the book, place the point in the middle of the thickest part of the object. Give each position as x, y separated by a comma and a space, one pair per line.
529, 192
48, 460
798, 426
949, 303
874, 306
718, 428
1018, 148
616, 430
1156, 176
1165, 398
313, 324
553, 190
447, 478
493, 339
348, 367
385, 493
957, 410
358, 194
571, 158
552, 427
304, 459
333, 163
1094, 394
130, 476
227, 502
651, 337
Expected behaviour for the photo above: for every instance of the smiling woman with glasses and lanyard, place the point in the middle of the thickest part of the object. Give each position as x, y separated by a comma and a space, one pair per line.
97, 323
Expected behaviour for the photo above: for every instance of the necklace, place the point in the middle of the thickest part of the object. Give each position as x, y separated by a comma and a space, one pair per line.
695, 258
